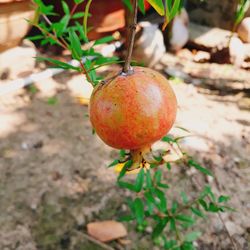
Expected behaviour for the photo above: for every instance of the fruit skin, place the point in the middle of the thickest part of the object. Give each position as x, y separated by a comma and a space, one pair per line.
132, 111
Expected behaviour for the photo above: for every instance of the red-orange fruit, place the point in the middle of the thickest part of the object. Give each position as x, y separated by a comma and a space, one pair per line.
132, 111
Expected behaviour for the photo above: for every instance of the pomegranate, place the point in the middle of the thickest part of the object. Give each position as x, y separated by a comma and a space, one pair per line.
133, 110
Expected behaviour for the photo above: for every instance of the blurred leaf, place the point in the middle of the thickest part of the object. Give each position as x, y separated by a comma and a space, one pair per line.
184, 218
78, 1
197, 212
159, 227
170, 244
162, 206
242, 8
168, 139
127, 165
75, 45
126, 218
194, 164
139, 181
127, 185
213, 207
60, 27
122, 153
44, 9
141, 6
157, 5
223, 198
79, 28
168, 165
85, 18
91, 73
35, 38
203, 204
139, 210
113, 163
52, 100
172, 225
148, 179
184, 197
65, 8
158, 175
174, 207
79, 15
105, 39
128, 4
190, 237
58, 63
184, 129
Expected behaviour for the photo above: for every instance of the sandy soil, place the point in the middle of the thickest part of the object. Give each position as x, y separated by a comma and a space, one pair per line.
53, 175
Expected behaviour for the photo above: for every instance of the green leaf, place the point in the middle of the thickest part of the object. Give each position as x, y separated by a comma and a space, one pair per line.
203, 204
126, 218
175, 9
139, 210
148, 179
184, 129
78, 15
65, 8
197, 212
184, 218
75, 45
170, 244
141, 6
105, 39
91, 73
172, 225
223, 198
168, 165
127, 185
199, 167
158, 175
35, 38
60, 27
174, 207
159, 227
81, 32
162, 185
128, 4
113, 163
187, 246
122, 153
52, 100
78, 1
149, 197
157, 5
190, 237
85, 18
59, 64
168, 139
184, 197
139, 181
162, 206
127, 165
213, 207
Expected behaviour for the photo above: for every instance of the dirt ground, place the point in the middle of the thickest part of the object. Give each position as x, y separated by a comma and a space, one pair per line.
53, 175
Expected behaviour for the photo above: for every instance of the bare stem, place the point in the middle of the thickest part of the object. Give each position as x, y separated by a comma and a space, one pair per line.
132, 27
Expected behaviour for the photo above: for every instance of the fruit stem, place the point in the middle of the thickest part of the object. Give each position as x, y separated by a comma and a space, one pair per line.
132, 27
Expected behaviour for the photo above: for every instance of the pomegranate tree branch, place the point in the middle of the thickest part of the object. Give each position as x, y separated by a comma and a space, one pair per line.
132, 27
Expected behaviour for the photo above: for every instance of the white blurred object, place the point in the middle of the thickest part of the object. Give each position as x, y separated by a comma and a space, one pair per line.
244, 30
179, 34
236, 51
149, 47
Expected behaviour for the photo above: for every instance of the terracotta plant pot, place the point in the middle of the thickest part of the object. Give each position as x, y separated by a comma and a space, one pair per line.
13, 26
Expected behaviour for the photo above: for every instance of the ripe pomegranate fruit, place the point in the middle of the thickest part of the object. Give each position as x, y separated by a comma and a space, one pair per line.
133, 110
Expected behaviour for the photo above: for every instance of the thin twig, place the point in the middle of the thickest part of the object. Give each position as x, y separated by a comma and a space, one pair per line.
223, 223
85, 72
132, 27
62, 39
73, 10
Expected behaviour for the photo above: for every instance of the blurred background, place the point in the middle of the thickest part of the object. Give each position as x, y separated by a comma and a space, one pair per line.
53, 175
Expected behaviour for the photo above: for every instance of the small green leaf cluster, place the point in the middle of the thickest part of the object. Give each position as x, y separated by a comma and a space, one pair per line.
70, 33
172, 220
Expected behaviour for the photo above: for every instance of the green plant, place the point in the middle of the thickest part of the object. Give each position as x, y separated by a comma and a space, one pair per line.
151, 204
